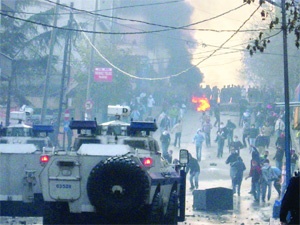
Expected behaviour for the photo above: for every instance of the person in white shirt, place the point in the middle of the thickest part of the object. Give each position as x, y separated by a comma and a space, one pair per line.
177, 129
150, 104
279, 127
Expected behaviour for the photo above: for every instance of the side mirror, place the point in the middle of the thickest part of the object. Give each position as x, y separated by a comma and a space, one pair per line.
183, 157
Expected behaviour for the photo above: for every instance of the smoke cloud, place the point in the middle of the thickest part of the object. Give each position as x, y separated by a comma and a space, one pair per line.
175, 41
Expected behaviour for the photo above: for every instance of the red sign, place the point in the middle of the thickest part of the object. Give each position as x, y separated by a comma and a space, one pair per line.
67, 114
103, 74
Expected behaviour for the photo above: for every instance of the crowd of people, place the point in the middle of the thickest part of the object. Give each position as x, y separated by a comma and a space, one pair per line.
258, 128
234, 93
260, 123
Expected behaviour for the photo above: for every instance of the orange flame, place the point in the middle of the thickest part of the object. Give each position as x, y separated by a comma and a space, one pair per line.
202, 103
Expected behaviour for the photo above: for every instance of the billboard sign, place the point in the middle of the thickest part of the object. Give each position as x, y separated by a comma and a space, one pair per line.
103, 74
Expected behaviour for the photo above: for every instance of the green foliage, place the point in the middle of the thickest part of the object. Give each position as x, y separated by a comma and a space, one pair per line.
19, 38
292, 8
267, 69
27, 44
103, 93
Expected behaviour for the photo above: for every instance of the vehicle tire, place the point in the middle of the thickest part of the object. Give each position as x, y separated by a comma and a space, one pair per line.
118, 188
156, 210
171, 217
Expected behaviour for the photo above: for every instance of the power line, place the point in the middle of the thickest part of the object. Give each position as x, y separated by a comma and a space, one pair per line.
168, 28
179, 73
142, 5
100, 10
201, 53
114, 17
224, 43
185, 27
117, 33
220, 47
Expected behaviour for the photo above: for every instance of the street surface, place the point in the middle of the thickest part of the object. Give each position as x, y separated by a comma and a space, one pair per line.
214, 173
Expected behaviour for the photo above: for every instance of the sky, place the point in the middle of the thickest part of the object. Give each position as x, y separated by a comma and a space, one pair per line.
222, 68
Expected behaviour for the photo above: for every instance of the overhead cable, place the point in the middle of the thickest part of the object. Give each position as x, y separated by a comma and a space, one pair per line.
173, 75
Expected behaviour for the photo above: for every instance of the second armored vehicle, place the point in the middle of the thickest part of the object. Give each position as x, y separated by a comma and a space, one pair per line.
20, 149
115, 174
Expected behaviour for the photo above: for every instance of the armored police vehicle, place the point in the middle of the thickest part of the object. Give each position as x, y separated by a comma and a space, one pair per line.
20, 149
115, 174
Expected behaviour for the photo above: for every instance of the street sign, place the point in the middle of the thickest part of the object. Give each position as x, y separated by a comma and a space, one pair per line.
67, 115
66, 126
88, 105
103, 74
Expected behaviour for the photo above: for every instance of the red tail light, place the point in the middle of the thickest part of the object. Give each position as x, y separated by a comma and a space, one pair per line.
44, 158
147, 162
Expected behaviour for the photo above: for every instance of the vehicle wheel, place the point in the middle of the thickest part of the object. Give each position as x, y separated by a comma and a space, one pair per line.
156, 210
171, 217
118, 188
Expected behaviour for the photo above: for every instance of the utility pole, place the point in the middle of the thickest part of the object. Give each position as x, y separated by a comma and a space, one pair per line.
64, 74
49, 62
8, 106
91, 72
286, 95
286, 90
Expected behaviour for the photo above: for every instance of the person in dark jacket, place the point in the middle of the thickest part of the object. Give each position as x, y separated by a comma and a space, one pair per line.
255, 173
290, 202
232, 158
230, 129
280, 149
279, 154
194, 168
236, 144
220, 139
253, 133
255, 155
294, 159
239, 167
280, 141
261, 143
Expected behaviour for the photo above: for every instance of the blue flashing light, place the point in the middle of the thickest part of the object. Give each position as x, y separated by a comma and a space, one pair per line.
142, 126
83, 124
42, 128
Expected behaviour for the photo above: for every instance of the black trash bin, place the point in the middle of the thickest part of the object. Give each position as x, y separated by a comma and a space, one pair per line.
218, 198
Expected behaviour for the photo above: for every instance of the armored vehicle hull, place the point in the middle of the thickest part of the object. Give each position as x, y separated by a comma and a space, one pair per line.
20, 149
115, 174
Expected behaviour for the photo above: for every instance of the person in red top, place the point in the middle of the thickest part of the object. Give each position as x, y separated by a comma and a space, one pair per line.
255, 173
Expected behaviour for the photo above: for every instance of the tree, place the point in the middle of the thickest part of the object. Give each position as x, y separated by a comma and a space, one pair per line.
270, 39
103, 93
293, 26
26, 43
